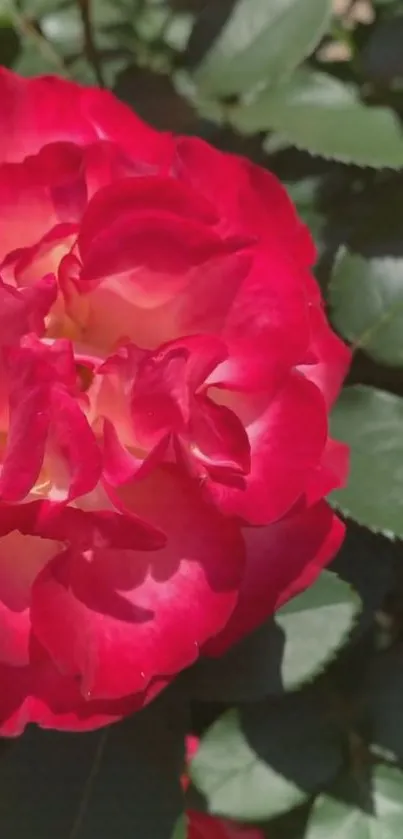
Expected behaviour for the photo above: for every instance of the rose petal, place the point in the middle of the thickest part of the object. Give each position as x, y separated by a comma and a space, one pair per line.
332, 472
23, 311
287, 438
283, 559
141, 195
204, 826
331, 357
117, 620
39, 693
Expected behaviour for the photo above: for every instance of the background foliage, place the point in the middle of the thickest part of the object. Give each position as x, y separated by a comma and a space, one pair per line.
301, 725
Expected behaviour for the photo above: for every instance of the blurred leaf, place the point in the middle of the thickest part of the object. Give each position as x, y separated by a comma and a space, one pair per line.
64, 28
383, 701
208, 109
155, 99
180, 830
382, 56
262, 41
366, 297
122, 781
371, 422
285, 654
36, 8
178, 31
351, 811
9, 41
37, 55
33, 61
262, 760
319, 114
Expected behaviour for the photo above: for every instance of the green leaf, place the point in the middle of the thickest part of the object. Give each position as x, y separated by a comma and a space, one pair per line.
303, 194
180, 830
64, 29
371, 422
366, 297
383, 703
122, 781
283, 654
349, 811
319, 114
262, 760
262, 41
316, 624
33, 61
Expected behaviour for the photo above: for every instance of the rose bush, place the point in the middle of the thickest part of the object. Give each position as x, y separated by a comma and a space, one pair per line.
166, 375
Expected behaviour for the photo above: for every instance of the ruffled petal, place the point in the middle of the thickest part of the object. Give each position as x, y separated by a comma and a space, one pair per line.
47, 425
282, 559
331, 473
287, 437
24, 310
331, 357
116, 619
248, 198
39, 693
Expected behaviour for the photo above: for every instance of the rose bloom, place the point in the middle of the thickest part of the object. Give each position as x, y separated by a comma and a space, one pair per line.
166, 372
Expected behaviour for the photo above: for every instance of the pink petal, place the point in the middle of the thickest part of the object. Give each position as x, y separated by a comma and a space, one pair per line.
248, 198
73, 442
85, 529
120, 465
332, 357
118, 619
47, 109
158, 248
141, 195
26, 209
23, 266
39, 193
331, 473
45, 419
270, 308
287, 437
40, 111
39, 693
116, 122
23, 311
283, 559
26, 441
217, 437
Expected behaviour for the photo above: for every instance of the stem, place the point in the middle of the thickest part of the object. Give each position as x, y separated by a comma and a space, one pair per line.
89, 43
88, 787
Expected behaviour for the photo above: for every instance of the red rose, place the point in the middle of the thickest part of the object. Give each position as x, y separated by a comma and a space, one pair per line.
166, 371
203, 826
